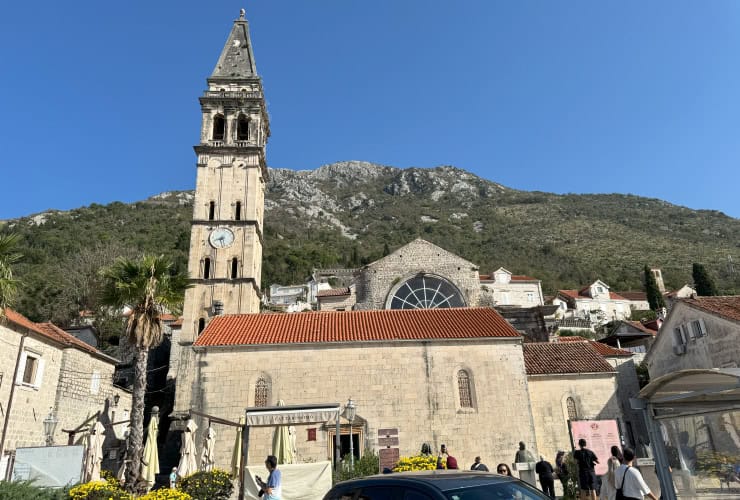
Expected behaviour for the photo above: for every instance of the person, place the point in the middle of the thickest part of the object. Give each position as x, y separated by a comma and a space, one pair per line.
562, 469
608, 486
273, 487
442, 457
629, 479
543, 468
478, 465
504, 470
173, 478
452, 463
586, 460
523, 454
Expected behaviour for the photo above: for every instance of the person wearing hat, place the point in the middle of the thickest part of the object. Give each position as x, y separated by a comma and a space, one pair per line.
451, 463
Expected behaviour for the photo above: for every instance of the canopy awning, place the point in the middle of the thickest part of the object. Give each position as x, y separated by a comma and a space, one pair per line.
291, 415
693, 392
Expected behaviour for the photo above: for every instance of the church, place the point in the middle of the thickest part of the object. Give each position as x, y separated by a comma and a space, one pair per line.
418, 353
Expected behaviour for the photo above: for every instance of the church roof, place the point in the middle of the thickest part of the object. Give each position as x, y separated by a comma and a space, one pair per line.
356, 326
237, 59
550, 358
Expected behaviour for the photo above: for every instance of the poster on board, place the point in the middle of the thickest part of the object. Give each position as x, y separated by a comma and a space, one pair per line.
600, 436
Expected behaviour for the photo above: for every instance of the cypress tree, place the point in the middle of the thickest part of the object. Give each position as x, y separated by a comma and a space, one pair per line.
702, 282
386, 250
654, 297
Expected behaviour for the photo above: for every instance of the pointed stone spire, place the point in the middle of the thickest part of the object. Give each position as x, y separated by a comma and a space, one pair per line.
237, 59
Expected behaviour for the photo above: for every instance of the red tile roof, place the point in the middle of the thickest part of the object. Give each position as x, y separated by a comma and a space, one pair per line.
334, 292
727, 306
643, 327
549, 358
521, 277
603, 349
167, 317
356, 326
635, 296
52, 332
582, 294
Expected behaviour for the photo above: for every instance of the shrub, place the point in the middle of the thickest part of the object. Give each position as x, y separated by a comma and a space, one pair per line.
25, 490
166, 494
214, 485
98, 490
418, 462
366, 465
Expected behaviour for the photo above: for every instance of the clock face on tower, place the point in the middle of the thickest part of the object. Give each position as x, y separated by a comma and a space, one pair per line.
221, 237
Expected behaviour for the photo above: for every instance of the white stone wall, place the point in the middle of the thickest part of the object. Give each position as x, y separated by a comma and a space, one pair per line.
411, 386
718, 349
515, 293
343, 302
595, 397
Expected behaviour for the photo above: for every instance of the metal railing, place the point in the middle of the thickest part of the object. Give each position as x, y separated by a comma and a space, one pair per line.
238, 94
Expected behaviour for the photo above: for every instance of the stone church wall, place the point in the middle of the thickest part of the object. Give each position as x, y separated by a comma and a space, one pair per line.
377, 279
411, 386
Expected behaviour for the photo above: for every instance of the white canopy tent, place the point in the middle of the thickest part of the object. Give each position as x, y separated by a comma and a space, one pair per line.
685, 393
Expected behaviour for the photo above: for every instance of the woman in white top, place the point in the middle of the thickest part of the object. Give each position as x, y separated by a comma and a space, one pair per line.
608, 489
630, 480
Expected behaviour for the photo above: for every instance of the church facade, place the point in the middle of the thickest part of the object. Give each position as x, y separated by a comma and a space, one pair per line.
417, 353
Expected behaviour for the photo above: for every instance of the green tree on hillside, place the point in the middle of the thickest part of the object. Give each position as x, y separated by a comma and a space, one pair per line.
8, 256
654, 297
702, 282
150, 287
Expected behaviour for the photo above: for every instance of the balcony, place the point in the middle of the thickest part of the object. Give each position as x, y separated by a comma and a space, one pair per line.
233, 94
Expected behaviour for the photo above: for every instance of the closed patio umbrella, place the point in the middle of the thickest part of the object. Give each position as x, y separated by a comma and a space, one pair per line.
207, 455
94, 452
282, 446
188, 460
150, 459
236, 455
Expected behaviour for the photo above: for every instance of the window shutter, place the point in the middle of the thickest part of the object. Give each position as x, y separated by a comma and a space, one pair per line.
684, 335
21, 368
690, 328
39, 372
703, 327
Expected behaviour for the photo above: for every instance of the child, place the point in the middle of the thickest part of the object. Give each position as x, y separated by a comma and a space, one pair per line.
173, 478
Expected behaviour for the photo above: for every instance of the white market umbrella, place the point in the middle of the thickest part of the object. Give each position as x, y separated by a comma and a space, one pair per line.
207, 455
282, 446
188, 460
150, 458
236, 455
94, 452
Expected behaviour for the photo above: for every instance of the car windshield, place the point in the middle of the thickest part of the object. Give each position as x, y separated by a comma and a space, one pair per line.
504, 491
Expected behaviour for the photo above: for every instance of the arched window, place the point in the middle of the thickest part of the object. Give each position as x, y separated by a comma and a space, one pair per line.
242, 128
234, 268
206, 268
238, 211
570, 403
211, 210
261, 392
463, 386
201, 324
425, 292
219, 127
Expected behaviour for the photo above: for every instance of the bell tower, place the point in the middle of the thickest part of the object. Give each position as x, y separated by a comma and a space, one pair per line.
225, 262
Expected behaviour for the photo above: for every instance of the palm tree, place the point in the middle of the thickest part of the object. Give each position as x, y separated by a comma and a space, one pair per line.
8, 257
149, 286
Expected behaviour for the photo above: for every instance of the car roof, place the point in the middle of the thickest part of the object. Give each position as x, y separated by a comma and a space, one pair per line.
444, 480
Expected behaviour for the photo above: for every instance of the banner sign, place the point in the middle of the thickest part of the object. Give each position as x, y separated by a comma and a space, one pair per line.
291, 417
600, 436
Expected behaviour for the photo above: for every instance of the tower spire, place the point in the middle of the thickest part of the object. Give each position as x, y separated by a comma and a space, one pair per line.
237, 59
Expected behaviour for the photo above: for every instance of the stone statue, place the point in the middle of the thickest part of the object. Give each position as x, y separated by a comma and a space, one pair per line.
522, 454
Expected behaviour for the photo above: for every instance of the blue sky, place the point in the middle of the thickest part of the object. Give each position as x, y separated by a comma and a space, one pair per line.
100, 99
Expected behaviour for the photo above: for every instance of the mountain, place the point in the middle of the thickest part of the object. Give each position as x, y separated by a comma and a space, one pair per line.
344, 214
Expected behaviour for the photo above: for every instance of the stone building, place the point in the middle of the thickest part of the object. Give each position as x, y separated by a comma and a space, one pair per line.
337, 299
593, 302
419, 274
567, 381
453, 376
513, 290
54, 373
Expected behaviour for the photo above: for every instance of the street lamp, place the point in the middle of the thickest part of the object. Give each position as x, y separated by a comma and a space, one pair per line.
349, 413
50, 425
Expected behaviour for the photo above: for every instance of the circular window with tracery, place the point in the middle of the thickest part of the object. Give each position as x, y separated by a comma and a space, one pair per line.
425, 292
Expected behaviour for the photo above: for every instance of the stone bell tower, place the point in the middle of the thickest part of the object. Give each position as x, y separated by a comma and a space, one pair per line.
225, 260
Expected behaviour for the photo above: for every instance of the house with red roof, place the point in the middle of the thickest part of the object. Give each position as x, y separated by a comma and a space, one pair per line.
46, 371
508, 289
700, 332
336, 299
594, 302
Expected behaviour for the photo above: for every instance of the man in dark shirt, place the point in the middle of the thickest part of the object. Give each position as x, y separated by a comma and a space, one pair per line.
479, 466
543, 468
586, 460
